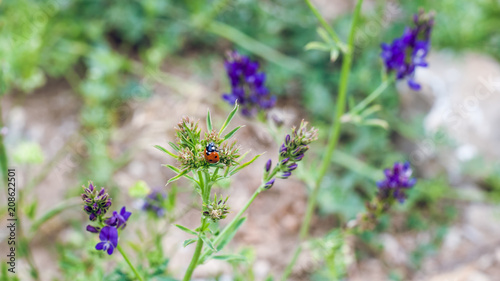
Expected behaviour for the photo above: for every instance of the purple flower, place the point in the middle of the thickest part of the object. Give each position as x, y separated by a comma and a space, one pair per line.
119, 219
154, 202
409, 51
247, 85
396, 181
109, 239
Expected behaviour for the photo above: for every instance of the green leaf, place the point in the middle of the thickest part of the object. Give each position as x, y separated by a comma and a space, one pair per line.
209, 121
174, 146
245, 164
231, 134
230, 257
175, 169
187, 230
324, 35
188, 242
315, 45
208, 242
228, 236
229, 118
376, 123
166, 151
180, 175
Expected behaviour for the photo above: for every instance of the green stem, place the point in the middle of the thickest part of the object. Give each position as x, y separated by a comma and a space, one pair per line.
139, 277
326, 26
333, 137
233, 222
194, 260
371, 97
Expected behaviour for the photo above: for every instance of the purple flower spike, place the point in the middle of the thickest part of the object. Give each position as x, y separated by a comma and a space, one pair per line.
109, 239
247, 85
119, 219
409, 51
268, 165
397, 180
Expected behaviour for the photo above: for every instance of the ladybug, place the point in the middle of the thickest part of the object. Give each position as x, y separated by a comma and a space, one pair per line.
211, 153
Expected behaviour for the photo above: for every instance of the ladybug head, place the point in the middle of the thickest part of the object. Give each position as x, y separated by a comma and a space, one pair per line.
211, 147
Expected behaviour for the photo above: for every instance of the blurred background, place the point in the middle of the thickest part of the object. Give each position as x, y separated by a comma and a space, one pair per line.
88, 87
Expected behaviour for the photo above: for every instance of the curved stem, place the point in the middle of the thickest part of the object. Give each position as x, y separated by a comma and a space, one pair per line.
371, 97
333, 137
326, 26
194, 260
139, 277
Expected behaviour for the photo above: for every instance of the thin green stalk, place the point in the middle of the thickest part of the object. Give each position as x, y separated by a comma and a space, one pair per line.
333, 137
325, 25
371, 97
139, 277
194, 260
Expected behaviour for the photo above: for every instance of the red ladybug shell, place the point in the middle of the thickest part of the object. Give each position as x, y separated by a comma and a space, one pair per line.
211, 153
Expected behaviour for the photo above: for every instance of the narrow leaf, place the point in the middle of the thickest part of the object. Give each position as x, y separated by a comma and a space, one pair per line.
209, 121
324, 35
166, 151
174, 146
188, 242
208, 242
315, 45
185, 229
229, 118
245, 164
175, 169
231, 134
180, 175
376, 123
228, 236
229, 257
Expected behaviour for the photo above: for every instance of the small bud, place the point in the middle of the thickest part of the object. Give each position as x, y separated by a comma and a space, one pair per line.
93, 229
268, 165
287, 140
292, 167
284, 161
92, 217
299, 157
285, 175
269, 184
283, 149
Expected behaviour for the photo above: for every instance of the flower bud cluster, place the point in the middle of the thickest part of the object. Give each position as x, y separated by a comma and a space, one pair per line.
216, 210
291, 151
191, 147
96, 203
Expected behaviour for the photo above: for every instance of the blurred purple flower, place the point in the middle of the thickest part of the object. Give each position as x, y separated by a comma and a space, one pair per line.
409, 51
396, 181
119, 219
154, 201
109, 239
247, 85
